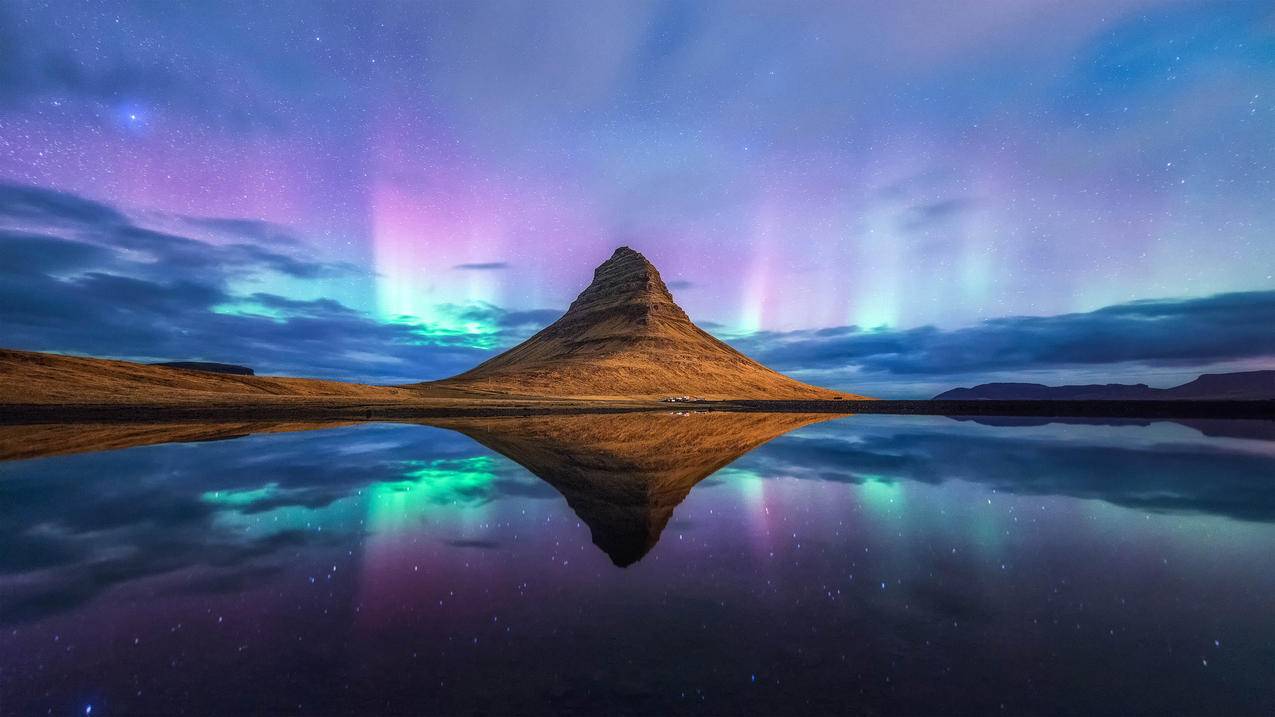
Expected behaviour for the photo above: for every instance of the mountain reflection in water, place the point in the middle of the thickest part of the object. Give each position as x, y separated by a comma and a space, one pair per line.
624, 473
822, 564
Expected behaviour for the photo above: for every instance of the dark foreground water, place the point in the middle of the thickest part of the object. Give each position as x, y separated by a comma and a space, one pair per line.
868, 564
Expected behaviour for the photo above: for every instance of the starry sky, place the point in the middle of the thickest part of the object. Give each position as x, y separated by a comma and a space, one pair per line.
893, 198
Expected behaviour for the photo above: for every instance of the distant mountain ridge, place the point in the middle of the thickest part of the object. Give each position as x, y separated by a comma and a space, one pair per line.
624, 336
1239, 386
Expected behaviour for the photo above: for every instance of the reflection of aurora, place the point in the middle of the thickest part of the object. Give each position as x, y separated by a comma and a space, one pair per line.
446, 480
439, 486
427, 487
249, 498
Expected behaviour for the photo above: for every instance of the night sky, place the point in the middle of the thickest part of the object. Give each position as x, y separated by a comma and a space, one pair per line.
895, 198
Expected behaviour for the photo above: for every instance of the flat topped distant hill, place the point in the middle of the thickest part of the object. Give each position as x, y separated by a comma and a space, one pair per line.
624, 336
1240, 386
208, 367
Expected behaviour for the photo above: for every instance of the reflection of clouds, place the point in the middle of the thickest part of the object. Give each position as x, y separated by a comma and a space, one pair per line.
138, 552
75, 526
1133, 466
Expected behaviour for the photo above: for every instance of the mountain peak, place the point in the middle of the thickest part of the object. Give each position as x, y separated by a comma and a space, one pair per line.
625, 287
624, 336
627, 260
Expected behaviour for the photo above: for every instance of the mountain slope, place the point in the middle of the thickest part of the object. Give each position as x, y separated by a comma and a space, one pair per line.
624, 336
28, 377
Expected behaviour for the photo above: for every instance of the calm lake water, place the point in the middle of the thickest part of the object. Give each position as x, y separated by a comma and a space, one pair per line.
613, 565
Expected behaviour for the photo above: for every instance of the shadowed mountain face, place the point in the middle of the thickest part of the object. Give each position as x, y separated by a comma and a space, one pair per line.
625, 336
623, 474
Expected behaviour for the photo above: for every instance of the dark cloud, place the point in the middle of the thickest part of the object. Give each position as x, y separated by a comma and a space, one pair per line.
81, 276
251, 229
317, 308
534, 319
521, 323
180, 253
680, 284
928, 214
483, 266
51, 216
46, 206
34, 254
1223, 327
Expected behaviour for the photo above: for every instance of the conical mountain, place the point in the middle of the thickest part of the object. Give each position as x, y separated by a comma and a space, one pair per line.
624, 336
624, 473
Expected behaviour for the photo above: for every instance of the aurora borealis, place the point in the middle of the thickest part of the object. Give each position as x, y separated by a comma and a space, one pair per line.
868, 196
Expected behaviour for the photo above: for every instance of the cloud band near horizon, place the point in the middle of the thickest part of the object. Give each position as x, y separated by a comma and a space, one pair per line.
81, 276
